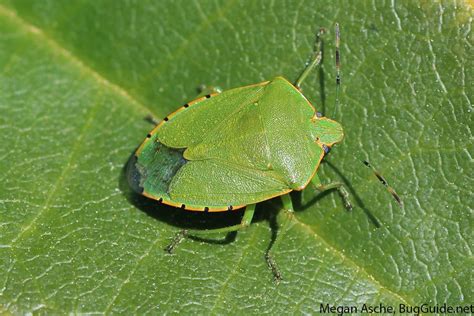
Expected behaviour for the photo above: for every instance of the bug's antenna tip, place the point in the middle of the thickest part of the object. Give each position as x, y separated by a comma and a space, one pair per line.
397, 198
384, 182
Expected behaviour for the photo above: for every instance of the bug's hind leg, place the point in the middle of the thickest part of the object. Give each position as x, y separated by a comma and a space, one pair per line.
288, 205
340, 187
246, 220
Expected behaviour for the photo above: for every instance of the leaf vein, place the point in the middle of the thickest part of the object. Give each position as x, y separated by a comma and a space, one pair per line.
344, 258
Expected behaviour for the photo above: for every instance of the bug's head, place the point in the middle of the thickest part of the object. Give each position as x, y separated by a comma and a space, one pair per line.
326, 131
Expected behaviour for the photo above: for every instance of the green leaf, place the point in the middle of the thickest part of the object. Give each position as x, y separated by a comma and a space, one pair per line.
77, 79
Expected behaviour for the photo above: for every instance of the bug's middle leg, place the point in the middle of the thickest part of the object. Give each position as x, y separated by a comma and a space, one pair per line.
245, 222
340, 187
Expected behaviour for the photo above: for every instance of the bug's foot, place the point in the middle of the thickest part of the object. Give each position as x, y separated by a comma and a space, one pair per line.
176, 240
272, 265
345, 198
348, 205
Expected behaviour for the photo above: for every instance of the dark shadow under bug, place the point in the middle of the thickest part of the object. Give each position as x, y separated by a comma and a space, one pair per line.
184, 219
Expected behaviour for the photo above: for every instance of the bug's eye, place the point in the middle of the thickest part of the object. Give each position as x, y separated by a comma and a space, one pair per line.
317, 139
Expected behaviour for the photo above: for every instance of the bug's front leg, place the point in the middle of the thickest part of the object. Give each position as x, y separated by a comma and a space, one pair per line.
339, 186
246, 220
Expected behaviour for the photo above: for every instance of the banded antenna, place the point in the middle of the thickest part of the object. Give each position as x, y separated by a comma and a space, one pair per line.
390, 189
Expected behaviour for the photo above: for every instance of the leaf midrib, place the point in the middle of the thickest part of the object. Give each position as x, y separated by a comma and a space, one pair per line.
348, 260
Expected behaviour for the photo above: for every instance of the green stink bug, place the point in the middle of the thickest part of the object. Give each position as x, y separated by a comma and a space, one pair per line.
230, 150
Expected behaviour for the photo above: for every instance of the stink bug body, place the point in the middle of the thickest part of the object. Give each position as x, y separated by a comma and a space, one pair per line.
243, 146
230, 150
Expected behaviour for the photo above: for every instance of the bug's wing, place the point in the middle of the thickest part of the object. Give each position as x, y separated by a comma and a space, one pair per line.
271, 133
240, 147
241, 139
288, 124
190, 126
216, 183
